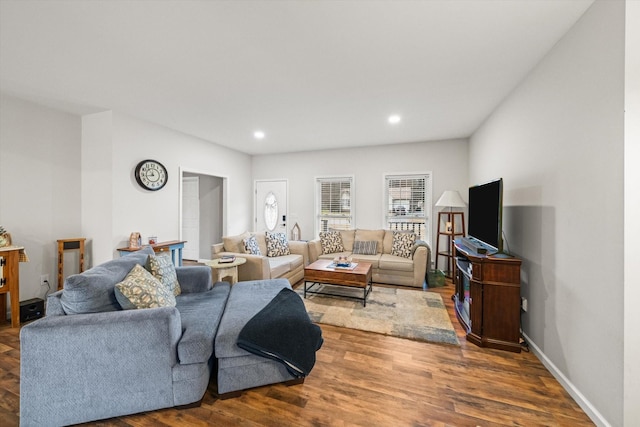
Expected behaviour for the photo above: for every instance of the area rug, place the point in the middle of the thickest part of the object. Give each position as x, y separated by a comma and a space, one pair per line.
412, 314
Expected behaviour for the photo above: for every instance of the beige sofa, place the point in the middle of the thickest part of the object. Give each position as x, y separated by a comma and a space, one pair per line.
386, 268
257, 267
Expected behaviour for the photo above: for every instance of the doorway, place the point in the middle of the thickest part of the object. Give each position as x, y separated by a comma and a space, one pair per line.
202, 213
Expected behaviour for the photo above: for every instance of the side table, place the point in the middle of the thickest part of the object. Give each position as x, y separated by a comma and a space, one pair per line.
221, 270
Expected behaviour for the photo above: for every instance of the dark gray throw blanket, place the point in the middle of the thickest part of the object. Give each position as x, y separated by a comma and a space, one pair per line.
282, 331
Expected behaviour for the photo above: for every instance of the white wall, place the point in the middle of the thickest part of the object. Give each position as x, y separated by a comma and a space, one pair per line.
446, 160
558, 143
39, 186
156, 212
632, 214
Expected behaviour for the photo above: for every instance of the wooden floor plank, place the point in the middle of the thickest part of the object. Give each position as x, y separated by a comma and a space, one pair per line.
366, 379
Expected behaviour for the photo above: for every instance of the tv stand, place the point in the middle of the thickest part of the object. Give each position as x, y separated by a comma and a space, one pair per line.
487, 298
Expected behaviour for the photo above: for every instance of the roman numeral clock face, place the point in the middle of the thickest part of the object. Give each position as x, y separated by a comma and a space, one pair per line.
151, 175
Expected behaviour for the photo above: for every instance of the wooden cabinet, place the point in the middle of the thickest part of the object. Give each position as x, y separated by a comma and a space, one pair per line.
487, 298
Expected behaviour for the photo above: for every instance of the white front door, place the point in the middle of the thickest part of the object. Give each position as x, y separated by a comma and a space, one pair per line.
271, 206
191, 217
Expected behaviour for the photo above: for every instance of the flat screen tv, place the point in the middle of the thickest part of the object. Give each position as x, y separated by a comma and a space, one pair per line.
485, 214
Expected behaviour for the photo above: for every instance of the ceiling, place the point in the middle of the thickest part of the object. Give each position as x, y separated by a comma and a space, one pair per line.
309, 74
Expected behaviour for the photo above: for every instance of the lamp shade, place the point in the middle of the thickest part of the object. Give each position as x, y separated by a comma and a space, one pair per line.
450, 199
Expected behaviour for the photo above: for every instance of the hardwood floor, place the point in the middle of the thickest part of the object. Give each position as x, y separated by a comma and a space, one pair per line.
366, 379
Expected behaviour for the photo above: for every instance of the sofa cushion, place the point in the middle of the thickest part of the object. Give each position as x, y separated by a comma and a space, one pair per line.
403, 244
245, 300
234, 243
365, 247
348, 237
367, 235
200, 314
387, 243
278, 266
162, 268
93, 290
141, 290
284, 264
396, 263
331, 242
251, 246
277, 244
374, 260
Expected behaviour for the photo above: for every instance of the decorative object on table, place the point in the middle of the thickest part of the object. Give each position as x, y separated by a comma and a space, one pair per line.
153, 240
225, 259
5, 238
342, 261
449, 199
405, 313
295, 232
68, 245
135, 240
151, 175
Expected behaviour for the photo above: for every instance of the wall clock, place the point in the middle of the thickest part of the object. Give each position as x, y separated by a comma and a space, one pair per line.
151, 175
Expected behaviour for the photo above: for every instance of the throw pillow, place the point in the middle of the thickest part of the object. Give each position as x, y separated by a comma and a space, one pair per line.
141, 290
402, 244
365, 247
163, 269
331, 242
251, 246
277, 244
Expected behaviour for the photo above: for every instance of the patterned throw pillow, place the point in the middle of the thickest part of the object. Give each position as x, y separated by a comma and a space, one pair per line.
251, 246
362, 247
141, 290
331, 242
277, 244
162, 268
403, 244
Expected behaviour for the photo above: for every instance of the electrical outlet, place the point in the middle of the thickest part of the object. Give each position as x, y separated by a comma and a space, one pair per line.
525, 304
44, 279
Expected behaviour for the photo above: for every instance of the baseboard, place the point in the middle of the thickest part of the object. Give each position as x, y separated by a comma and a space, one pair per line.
580, 399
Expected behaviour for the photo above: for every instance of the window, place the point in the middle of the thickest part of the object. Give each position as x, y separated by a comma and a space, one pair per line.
334, 203
408, 201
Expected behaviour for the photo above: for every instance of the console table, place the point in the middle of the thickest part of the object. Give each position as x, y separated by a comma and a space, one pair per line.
175, 246
487, 298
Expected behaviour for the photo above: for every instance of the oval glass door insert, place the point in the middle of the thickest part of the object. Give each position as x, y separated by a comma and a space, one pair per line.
270, 211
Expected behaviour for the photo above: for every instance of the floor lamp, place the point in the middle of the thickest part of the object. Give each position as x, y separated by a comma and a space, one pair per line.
449, 199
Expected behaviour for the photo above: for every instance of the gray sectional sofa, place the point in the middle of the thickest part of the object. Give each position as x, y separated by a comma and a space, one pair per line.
89, 359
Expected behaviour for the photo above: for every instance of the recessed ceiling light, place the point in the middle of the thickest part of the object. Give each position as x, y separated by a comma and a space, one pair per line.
394, 119
258, 134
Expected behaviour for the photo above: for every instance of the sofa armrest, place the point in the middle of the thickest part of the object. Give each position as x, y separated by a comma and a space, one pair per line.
216, 249
81, 367
315, 250
298, 247
421, 261
194, 279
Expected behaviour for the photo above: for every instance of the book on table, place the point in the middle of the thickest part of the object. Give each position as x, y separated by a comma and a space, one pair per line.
227, 259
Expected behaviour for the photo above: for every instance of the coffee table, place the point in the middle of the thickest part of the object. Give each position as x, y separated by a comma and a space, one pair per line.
320, 272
